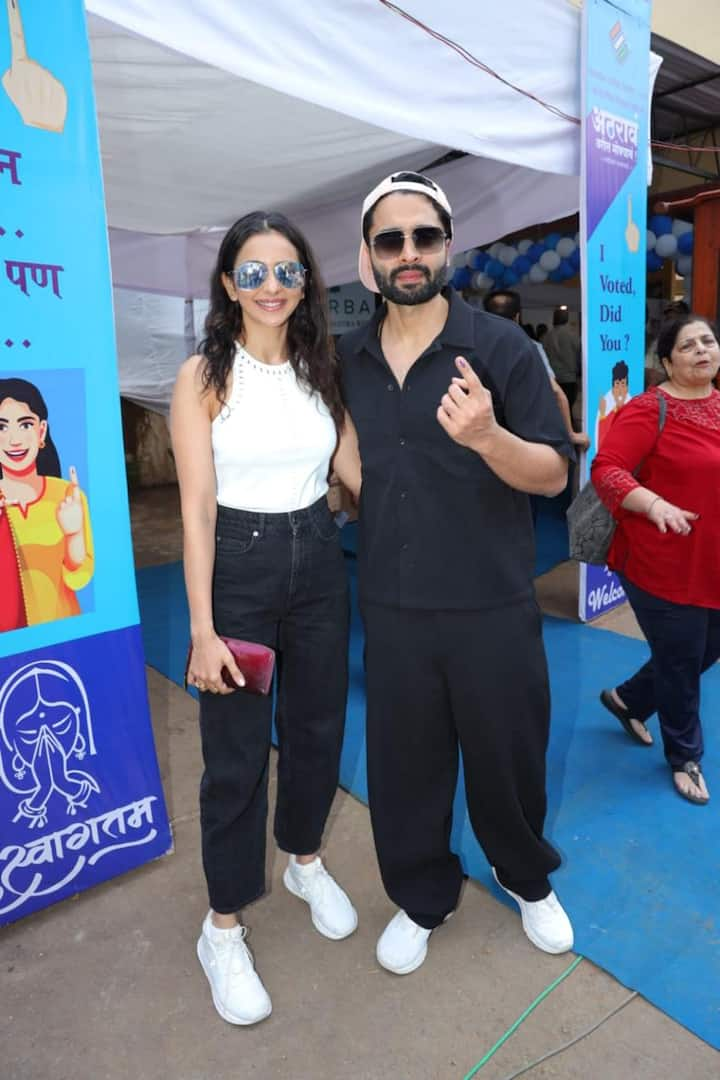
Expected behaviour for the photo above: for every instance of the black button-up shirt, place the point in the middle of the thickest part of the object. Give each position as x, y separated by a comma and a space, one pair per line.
438, 529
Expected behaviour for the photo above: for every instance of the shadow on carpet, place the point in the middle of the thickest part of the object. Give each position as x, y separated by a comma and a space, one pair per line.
641, 866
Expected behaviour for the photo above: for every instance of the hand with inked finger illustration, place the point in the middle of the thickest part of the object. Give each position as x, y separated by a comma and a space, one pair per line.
665, 515
466, 409
70, 514
208, 656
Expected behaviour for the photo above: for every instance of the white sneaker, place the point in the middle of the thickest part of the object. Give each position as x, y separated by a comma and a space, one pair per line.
330, 909
237, 992
402, 946
544, 921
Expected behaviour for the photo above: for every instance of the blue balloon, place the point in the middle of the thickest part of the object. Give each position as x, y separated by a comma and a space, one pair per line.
654, 262
685, 243
535, 251
567, 268
574, 259
494, 268
480, 260
509, 279
552, 240
660, 224
557, 275
521, 265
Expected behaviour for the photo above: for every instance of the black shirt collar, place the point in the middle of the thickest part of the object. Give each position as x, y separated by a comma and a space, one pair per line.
459, 328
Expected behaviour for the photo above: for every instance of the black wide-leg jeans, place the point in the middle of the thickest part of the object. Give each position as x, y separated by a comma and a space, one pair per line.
684, 641
279, 580
441, 680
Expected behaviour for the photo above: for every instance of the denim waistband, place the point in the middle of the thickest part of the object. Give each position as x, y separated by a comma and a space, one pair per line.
261, 520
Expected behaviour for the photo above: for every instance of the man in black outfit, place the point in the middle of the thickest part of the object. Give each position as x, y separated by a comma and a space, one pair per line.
457, 424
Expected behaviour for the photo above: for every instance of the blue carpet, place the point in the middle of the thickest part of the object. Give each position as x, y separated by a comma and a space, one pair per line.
642, 866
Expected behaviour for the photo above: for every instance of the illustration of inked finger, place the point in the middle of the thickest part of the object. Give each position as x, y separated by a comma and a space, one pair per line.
632, 233
37, 95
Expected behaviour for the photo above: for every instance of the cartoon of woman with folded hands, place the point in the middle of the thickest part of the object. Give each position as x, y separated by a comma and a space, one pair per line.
46, 552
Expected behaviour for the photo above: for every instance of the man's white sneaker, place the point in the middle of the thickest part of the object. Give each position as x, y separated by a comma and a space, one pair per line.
330, 909
402, 946
544, 921
237, 992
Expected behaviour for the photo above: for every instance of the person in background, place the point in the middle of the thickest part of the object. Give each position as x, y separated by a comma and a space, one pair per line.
457, 424
562, 346
507, 304
666, 543
257, 419
540, 331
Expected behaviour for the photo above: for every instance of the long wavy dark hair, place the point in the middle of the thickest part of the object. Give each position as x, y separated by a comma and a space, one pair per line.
48, 461
311, 349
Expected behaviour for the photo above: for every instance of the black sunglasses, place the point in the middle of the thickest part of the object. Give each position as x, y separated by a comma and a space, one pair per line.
426, 239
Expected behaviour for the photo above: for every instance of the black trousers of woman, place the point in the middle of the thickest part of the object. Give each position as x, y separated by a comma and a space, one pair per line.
441, 680
684, 641
279, 580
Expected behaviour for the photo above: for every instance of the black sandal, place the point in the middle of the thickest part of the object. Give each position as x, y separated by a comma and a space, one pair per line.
693, 770
623, 715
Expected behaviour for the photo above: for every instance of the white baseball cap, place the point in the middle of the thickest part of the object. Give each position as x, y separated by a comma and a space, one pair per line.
400, 181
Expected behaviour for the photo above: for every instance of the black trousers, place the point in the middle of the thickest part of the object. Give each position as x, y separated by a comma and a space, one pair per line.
279, 580
436, 681
684, 641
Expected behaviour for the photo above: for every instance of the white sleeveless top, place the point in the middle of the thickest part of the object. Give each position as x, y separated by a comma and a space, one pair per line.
272, 441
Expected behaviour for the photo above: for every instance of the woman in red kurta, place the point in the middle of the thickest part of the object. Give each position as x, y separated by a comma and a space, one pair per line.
666, 543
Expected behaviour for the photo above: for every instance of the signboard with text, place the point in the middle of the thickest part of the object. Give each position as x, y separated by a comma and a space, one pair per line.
80, 793
615, 63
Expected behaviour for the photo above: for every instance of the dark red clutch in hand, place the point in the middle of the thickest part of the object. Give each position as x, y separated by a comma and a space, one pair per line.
257, 663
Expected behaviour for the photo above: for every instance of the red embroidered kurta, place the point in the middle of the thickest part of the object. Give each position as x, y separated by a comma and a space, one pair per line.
682, 464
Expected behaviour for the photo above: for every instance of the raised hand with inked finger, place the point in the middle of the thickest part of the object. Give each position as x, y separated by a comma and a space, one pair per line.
466, 409
70, 515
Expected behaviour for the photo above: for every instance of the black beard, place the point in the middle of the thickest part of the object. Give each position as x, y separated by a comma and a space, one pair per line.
419, 294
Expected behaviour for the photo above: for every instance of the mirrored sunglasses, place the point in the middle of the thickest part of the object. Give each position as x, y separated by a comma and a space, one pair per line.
426, 239
251, 274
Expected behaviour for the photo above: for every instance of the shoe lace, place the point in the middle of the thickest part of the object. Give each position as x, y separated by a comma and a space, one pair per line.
316, 883
234, 952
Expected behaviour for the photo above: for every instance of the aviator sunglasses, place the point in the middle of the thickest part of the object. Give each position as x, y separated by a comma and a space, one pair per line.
251, 274
426, 239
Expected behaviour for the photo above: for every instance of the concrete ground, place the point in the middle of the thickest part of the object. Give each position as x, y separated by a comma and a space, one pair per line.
107, 986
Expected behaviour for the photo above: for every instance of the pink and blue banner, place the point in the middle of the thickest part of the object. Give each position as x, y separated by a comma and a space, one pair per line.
613, 208
80, 792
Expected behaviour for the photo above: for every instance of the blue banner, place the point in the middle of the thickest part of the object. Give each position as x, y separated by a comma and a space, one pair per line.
613, 209
80, 793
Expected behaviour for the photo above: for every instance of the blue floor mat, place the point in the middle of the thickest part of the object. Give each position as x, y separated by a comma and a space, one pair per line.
642, 866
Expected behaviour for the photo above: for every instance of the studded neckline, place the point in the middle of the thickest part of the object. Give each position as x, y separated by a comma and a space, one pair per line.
257, 365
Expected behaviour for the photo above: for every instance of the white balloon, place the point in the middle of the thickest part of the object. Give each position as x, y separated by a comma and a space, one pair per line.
549, 260
459, 260
651, 240
666, 245
507, 255
494, 248
565, 246
577, 237
684, 265
481, 281
537, 274
470, 255
524, 278
679, 227
523, 245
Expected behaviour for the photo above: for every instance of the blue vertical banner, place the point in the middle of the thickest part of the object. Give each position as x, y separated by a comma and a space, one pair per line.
613, 209
80, 792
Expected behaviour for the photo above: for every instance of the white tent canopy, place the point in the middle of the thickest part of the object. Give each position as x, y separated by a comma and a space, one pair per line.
209, 110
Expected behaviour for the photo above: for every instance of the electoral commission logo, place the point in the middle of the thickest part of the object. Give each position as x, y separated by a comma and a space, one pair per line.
46, 733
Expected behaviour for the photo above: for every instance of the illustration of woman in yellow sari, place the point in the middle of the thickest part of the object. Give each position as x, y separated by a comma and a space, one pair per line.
46, 552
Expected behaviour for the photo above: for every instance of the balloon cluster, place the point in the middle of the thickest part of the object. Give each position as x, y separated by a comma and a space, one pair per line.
553, 258
668, 239
556, 257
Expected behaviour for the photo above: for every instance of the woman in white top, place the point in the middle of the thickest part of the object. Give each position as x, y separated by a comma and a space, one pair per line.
257, 420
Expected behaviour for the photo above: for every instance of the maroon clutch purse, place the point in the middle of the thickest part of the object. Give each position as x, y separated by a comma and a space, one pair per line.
257, 663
